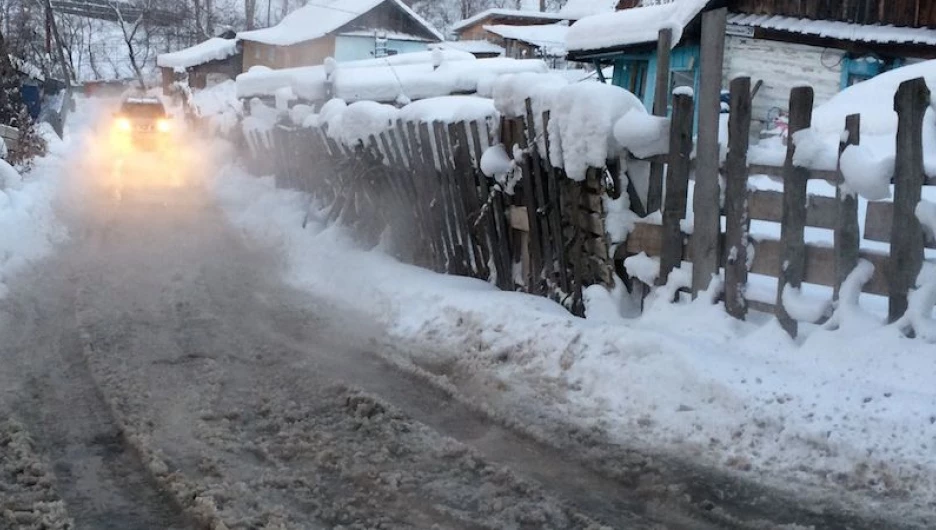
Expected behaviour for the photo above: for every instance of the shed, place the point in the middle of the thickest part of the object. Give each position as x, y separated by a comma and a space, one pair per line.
346, 30
217, 56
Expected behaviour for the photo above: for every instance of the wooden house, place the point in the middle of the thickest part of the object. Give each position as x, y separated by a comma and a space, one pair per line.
346, 30
473, 28
779, 44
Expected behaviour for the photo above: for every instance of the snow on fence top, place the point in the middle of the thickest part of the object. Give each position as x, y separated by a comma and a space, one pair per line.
838, 30
322, 17
633, 26
550, 38
216, 49
386, 83
514, 13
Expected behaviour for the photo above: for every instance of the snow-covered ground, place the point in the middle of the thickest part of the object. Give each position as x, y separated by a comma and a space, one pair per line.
29, 228
846, 414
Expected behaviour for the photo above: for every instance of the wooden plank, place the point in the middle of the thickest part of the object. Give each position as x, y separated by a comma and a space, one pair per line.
519, 219
592, 202
465, 176
576, 251
457, 219
677, 186
528, 187
847, 234
879, 223
793, 227
737, 221
767, 205
819, 262
554, 211
422, 149
660, 106
907, 237
776, 172
496, 224
590, 222
539, 193
705, 252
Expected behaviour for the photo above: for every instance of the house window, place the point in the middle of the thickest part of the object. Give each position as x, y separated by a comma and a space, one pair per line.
635, 77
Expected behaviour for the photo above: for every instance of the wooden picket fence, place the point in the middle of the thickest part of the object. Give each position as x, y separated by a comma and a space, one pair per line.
548, 237
423, 181
791, 260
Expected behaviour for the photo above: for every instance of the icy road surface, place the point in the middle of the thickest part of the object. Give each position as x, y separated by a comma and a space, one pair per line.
166, 379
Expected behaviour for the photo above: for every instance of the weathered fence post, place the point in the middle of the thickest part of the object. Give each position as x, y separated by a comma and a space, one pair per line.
705, 202
792, 231
737, 219
528, 187
539, 194
677, 186
907, 238
847, 234
660, 103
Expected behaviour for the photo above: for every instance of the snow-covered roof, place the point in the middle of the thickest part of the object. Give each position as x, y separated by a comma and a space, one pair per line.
637, 25
215, 49
576, 9
471, 46
838, 30
507, 13
551, 38
321, 17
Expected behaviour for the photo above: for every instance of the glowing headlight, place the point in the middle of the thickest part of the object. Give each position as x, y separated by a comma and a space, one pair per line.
163, 126
123, 124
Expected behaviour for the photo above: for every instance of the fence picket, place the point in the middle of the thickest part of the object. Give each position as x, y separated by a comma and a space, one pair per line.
847, 235
907, 239
737, 219
677, 186
793, 229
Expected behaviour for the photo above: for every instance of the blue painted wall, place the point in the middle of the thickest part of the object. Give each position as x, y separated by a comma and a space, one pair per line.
684, 59
354, 48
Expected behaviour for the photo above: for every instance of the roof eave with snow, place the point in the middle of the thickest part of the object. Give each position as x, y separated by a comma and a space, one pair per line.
508, 13
835, 30
610, 33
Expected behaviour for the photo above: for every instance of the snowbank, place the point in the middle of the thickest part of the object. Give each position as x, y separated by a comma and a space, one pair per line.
29, 227
215, 49
845, 415
220, 106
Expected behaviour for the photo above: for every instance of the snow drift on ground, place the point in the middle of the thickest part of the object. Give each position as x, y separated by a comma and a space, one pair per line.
29, 228
841, 412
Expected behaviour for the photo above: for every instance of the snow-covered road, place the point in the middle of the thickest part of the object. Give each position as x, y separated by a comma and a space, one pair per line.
159, 373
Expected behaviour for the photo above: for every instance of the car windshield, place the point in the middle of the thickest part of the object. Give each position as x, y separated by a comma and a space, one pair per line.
143, 110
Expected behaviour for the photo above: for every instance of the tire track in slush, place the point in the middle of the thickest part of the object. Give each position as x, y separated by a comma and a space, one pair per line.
102, 479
